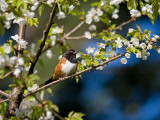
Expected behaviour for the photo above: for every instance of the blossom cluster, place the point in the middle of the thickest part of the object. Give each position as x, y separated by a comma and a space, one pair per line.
93, 14
147, 8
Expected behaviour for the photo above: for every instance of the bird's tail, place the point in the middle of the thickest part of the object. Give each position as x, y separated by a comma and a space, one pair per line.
48, 81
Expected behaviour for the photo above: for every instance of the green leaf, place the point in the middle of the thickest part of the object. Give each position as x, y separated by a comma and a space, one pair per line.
77, 79
1, 29
41, 62
75, 116
132, 4
155, 7
139, 28
49, 90
41, 9
31, 98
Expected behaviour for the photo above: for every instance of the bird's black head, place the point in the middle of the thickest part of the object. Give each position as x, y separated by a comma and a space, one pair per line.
70, 55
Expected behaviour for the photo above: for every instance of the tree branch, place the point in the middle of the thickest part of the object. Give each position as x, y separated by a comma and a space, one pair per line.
77, 37
4, 94
73, 30
65, 78
7, 74
45, 34
119, 27
2, 101
17, 92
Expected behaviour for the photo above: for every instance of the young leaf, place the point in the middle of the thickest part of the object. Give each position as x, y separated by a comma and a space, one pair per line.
1, 29
41, 9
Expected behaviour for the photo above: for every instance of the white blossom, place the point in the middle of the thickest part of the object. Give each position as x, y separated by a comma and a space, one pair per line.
33, 88
147, 8
115, 2
4, 60
48, 116
99, 12
56, 30
144, 57
103, 2
87, 35
158, 50
71, 7
61, 15
20, 61
33, 52
143, 45
7, 48
90, 50
135, 13
127, 55
138, 55
96, 52
83, 62
7, 24
114, 14
31, 15
119, 42
35, 6
9, 16
100, 68
53, 40
20, 21
49, 54
92, 27
93, 14
3, 5
88, 20
102, 45
50, 1
15, 37
96, 19
130, 30
135, 42
1, 118
149, 47
124, 61
16, 72
23, 43
12, 59
146, 0
148, 53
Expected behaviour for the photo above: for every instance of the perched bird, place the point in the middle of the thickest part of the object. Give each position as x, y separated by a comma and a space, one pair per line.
66, 66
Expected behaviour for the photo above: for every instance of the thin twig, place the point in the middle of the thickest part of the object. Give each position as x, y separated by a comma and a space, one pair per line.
78, 37
4, 94
119, 27
57, 115
73, 30
45, 34
2, 101
65, 78
7, 74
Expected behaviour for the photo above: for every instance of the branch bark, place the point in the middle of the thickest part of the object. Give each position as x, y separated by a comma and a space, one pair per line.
65, 78
4, 94
17, 92
45, 34
7, 74
73, 30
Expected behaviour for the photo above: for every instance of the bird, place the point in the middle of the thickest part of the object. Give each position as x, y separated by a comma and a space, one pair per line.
66, 66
